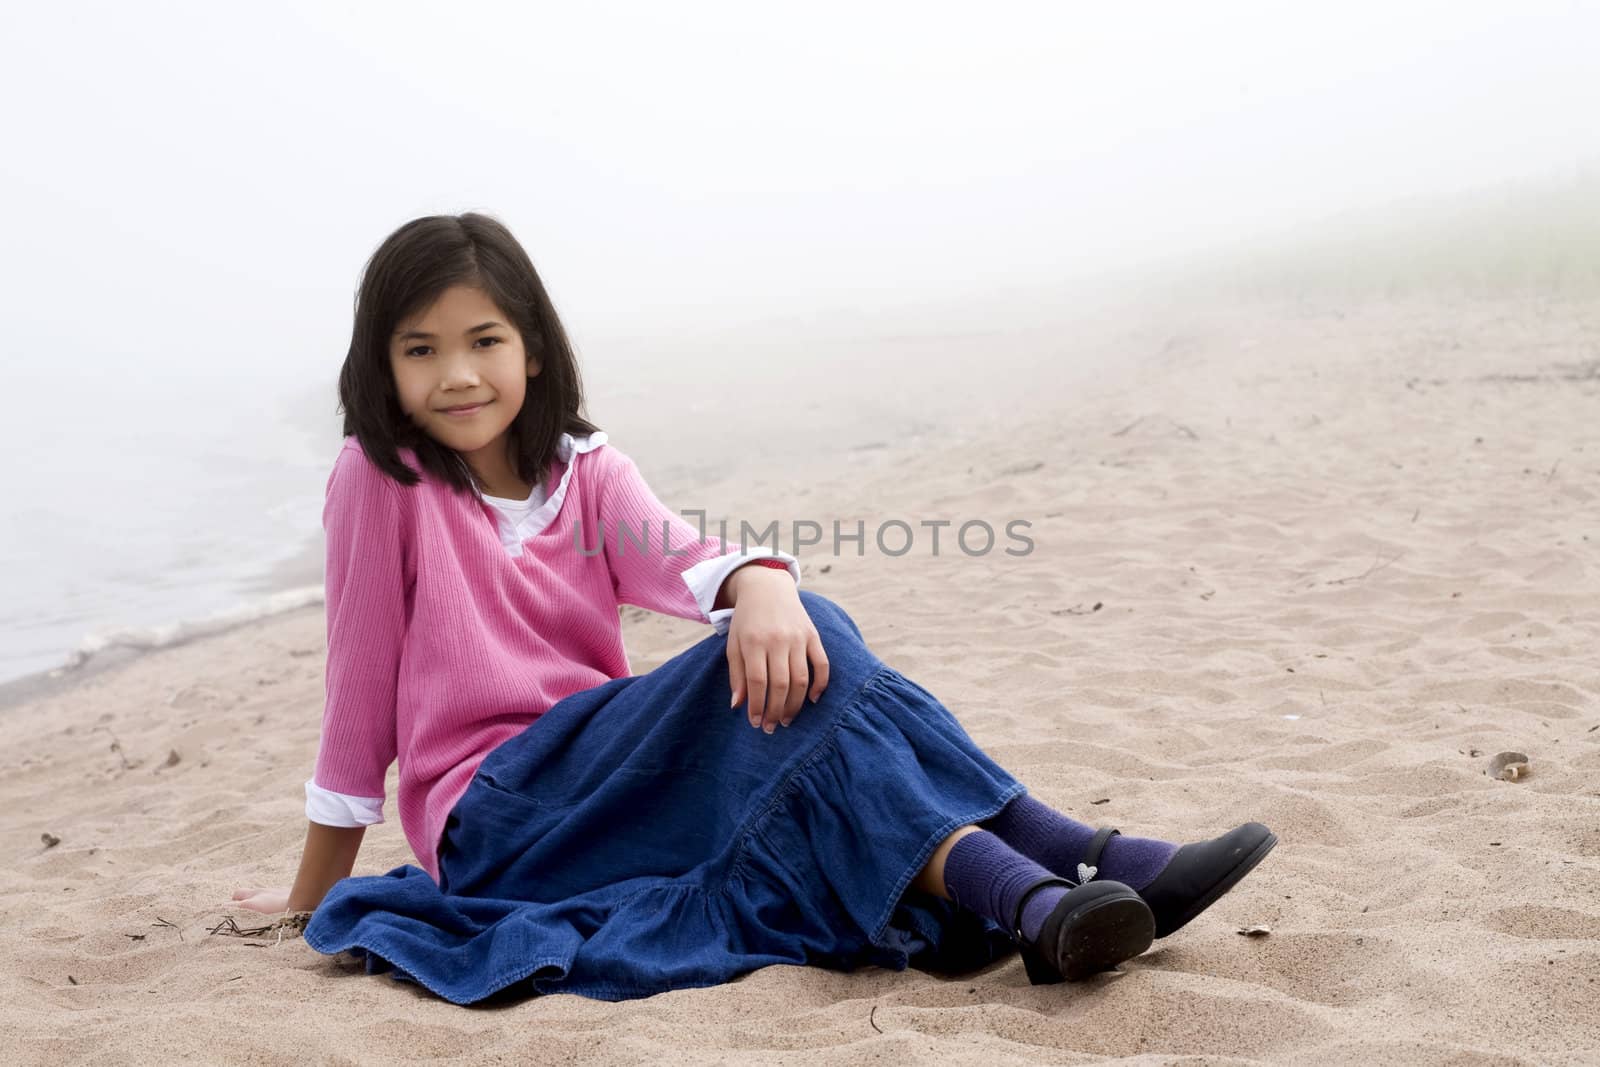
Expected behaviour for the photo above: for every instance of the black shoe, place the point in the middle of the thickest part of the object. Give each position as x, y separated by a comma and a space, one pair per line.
1092, 929
1197, 875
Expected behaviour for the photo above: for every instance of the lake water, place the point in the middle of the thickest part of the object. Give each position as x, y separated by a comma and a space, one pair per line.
142, 515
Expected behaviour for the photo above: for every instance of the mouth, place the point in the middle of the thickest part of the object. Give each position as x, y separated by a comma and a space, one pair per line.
464, 409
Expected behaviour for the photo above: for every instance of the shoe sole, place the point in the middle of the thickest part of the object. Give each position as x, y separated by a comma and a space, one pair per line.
1099, 934
1227, 882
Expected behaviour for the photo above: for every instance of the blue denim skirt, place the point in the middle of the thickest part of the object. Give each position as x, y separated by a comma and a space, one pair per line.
641, 836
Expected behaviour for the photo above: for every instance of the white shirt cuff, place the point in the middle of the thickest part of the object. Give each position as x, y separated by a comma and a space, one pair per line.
327, 808
705, 579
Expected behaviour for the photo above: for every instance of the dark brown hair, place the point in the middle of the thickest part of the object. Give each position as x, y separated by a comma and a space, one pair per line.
409, 271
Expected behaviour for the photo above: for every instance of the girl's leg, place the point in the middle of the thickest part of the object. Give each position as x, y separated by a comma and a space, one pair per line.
931, 878
1177, 881
977, 870
1058, 842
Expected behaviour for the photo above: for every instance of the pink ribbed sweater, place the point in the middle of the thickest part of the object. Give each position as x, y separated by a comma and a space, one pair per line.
441, 645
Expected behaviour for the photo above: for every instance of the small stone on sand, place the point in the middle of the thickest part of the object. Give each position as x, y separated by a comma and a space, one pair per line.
1508, 766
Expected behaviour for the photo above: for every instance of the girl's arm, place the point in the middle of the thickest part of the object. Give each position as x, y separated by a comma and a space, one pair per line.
329, 855
775, 655
690, 582
367, 573
368, 569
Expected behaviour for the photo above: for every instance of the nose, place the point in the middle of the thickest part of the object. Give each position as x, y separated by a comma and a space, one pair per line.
458, 372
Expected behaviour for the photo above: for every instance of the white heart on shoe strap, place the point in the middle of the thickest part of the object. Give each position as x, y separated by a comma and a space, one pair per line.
1086, 872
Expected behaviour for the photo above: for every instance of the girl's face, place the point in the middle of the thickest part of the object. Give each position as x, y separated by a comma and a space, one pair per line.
461, 374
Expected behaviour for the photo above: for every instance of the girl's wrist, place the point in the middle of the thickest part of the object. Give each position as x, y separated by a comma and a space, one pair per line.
761, 565
730, 584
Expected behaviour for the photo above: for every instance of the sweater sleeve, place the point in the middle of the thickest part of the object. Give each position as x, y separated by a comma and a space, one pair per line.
366, 612
657, 558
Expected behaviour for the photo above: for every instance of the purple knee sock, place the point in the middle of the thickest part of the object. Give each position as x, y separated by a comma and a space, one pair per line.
1048, 837
983, 873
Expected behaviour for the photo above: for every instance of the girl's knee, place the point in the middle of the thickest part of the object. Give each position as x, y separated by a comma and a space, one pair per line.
826, 613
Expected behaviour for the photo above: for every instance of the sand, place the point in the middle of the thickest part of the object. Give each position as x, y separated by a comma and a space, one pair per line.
1309, 565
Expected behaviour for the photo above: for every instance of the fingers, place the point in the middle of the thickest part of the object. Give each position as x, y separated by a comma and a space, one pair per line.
736, 672
266, 901
766, 701
755, 693
789, 690
819, 665
252, 899
770, 673
796, 696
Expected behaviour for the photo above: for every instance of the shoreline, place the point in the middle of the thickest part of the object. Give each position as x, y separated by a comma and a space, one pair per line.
267, 601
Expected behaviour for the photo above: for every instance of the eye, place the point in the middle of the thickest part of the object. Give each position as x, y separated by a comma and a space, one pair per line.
413, 351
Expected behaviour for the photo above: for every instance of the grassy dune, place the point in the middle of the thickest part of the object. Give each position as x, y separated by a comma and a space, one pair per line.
1535, 237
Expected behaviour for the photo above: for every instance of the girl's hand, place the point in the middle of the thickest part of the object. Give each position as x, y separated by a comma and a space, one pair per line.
270, 901
769, 640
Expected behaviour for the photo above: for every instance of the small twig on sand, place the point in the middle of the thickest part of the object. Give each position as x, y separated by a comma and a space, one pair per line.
1416, 514
1374, 569
291, 920
1180, 427
1552, 473
116, 746
162, 922
287, 921
870, 1019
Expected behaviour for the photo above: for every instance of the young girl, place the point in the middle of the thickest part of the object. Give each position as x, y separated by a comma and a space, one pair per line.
582, 829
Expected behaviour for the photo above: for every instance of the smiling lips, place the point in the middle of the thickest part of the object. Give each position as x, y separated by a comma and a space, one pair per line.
465, 409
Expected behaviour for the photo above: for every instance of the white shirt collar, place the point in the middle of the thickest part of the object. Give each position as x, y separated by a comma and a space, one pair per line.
518, 527
569, 444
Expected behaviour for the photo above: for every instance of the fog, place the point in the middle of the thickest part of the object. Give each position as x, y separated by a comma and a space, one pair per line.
191, 194
195, 190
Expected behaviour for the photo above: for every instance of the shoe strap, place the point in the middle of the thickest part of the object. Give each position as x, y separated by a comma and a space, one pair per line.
1097, 845
1016, 920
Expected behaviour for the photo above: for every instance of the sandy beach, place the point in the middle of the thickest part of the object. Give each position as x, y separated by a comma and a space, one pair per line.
1303, 563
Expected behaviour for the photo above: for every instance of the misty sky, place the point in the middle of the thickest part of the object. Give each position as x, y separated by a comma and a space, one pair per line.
191, 194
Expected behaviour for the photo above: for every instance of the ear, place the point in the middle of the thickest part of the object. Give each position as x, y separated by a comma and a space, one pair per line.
533, 366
